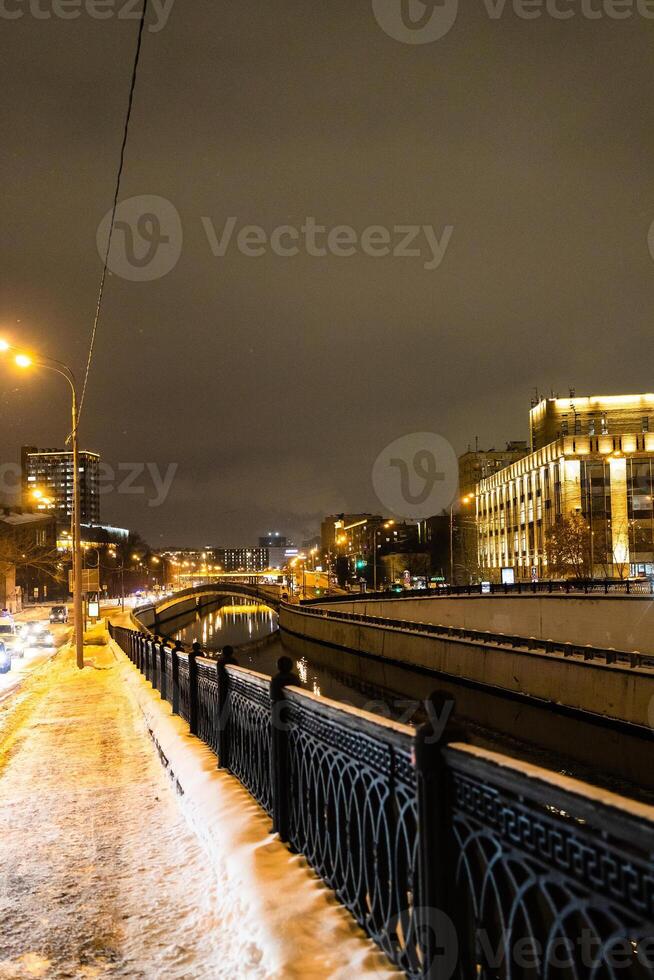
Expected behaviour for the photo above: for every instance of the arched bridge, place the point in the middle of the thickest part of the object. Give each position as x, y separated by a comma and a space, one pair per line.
153, 615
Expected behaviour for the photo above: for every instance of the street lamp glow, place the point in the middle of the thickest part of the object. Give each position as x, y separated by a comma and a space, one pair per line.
23, 360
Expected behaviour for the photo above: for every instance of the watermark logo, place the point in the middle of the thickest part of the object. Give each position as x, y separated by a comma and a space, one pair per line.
425, 21
147, 238
650, 240
151, 480
417, 475
416, 21
341, 241
160, 10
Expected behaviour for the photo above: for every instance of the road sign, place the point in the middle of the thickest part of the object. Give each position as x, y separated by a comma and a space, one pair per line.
90, 580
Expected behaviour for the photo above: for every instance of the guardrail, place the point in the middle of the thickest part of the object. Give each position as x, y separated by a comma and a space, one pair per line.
568, 587
585, 652
456, 861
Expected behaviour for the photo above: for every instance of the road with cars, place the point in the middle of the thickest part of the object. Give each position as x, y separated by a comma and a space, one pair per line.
36, 640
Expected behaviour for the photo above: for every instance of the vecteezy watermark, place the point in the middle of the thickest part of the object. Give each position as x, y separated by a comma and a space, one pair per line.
416, 21
432, 937
95, 9
342, 241
417, 475
426, 21
141, 479
147, 240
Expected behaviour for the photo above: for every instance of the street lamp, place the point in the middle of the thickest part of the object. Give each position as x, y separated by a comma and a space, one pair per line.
464, 500
24, 360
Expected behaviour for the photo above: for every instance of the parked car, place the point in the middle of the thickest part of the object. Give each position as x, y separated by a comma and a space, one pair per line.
5, 659
59, 614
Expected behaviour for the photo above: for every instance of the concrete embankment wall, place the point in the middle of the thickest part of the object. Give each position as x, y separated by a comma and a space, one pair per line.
612, 690
621, 621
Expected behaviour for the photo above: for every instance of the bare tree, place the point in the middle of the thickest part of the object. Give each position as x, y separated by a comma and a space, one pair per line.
20, 549
568, 547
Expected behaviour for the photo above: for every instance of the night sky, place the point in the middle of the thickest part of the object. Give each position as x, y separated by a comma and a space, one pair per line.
274, 382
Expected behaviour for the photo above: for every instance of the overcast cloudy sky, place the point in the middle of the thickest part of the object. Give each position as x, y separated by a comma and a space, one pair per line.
273, 382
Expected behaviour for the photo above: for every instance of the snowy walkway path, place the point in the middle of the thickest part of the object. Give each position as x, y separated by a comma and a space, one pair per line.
101, 875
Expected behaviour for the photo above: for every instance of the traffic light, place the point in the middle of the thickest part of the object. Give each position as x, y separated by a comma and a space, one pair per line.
360, 564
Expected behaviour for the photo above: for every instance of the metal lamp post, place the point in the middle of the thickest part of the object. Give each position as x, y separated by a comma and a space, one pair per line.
25, 360
464, 500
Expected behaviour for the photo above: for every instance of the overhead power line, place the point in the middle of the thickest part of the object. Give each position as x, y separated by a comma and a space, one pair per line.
98, 308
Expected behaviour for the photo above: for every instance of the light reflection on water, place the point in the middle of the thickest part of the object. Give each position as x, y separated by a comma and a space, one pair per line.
233, 623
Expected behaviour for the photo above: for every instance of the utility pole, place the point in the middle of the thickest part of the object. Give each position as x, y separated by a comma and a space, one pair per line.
78, 602
24, 360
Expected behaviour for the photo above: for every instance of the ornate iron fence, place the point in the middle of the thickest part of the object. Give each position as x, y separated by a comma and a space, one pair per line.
353, 815
548, 882
208, 704
459, 863
248, 730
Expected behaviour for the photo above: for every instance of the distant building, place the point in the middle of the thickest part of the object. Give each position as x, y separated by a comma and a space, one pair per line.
478, 464
48, 473
93, 536
591, 456
279, 558
350, 541
273, 540
245, 559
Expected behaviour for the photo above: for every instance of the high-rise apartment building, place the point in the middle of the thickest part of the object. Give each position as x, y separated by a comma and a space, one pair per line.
47, 483
590, 456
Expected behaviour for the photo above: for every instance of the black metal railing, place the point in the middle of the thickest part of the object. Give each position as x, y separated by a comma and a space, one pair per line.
458, 862
247, 743
633, 587
353, 815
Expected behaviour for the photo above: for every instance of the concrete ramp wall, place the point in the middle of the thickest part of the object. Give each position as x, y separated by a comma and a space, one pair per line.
623, 622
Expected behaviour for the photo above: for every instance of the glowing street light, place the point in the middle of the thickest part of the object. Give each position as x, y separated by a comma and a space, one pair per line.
24, 360
464, 500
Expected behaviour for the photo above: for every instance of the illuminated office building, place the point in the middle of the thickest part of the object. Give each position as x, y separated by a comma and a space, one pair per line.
590, 456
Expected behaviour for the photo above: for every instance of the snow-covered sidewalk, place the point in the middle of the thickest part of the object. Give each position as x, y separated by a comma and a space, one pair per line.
103, 873
102, 876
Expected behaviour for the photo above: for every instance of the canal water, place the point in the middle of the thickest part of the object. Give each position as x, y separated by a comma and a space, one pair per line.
618, 759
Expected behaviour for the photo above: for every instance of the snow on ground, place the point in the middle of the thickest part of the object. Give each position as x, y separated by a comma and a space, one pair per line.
108, 873
102, 876
266, 891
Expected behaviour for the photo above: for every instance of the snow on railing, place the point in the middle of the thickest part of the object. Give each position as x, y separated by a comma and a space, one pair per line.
458, 862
